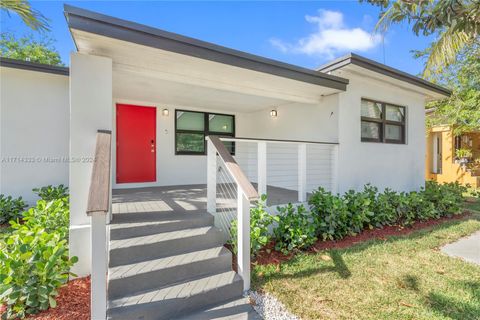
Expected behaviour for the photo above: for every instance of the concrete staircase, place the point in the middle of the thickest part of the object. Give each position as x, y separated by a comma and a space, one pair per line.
167, 265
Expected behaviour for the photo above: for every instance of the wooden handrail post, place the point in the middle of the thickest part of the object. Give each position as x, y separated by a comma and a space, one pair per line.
302, 172
211, 177
262, 167
243, 241
99, 266
98, 208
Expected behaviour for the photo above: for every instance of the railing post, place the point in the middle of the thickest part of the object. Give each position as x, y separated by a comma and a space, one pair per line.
211, 177
334, 169
262, 167
99, 266
243, 234
302, 172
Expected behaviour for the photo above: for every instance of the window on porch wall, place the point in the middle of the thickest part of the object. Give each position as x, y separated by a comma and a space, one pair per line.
191, 128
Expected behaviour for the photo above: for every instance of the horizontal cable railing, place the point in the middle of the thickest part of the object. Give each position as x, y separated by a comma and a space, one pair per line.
287, 171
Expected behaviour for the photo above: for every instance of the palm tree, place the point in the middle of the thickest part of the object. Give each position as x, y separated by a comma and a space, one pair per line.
32, 18
457, 24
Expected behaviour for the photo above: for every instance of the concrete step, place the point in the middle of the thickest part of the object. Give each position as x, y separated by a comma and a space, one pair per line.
238, 309
177, 300
129, 228
137, 249
158, 273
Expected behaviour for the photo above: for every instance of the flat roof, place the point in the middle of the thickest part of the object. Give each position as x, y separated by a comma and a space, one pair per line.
33, 66
96, 23
382, 69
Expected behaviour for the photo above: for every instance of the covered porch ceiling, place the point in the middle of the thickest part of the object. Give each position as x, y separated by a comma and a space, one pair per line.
152, 65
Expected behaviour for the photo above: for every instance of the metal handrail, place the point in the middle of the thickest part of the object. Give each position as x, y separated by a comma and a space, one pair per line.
234, 169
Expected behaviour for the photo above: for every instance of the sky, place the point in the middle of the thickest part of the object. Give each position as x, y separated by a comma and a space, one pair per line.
307, 34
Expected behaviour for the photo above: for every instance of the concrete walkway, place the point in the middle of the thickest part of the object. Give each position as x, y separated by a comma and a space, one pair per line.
467, 248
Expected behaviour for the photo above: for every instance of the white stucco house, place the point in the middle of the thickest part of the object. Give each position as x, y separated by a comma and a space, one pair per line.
158, 97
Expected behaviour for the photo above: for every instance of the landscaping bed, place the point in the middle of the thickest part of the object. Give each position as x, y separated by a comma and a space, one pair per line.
268, 255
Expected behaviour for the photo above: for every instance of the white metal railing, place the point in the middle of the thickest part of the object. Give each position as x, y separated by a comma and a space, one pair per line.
286, 170
98, 206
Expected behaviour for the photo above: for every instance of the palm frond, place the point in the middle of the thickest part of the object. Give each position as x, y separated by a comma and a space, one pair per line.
444, 51
29, 16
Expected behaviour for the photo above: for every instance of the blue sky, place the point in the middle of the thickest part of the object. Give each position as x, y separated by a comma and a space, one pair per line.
302, 33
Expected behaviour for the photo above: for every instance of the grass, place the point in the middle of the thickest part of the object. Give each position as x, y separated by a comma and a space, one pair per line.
404, 277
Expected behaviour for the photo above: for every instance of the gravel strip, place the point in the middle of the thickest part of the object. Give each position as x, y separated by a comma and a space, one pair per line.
269, 308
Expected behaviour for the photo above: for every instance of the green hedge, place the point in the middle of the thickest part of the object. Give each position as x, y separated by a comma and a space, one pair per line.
333, 217
34, 259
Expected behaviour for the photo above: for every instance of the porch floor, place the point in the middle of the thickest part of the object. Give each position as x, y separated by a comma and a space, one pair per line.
183, 199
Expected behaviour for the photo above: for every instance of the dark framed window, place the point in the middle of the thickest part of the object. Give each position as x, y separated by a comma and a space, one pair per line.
382, 122
191, 128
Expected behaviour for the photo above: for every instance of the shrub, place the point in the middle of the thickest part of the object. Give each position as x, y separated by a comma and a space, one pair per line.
447, 198
330, 214
10, 208
51, 192
260, 221
360, 206
386, 208
33, 264
296, 229
34, 259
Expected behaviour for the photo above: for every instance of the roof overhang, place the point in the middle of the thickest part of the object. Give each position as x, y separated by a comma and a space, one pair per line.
33, 66
351, 59
111, 27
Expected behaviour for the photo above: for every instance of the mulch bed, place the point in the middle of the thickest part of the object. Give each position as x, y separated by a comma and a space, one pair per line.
269, 256
73, 302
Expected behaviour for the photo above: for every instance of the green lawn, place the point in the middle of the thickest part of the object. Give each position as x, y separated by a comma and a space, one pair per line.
400, 278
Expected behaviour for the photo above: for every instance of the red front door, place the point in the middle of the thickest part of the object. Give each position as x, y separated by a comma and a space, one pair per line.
136, 144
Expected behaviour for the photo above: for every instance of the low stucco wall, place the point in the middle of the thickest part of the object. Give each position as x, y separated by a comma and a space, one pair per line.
34, 122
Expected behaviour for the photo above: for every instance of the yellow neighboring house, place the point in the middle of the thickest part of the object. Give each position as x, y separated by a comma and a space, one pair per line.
442, 162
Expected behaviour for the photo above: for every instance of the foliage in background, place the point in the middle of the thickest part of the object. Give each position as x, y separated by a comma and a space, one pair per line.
455, 23
10, 208
296, 229
461, 109
51, 192
31, 17
27, 48
34, 259
260, 222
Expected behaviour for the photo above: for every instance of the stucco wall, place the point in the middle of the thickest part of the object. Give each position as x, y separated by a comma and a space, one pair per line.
34, 122
397, 166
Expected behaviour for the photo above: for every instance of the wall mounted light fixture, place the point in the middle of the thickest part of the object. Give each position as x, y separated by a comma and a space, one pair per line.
165, 112
273, 113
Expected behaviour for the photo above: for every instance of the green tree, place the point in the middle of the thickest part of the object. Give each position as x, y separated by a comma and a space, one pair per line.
456, 23
31, 17
462, 109
29, 49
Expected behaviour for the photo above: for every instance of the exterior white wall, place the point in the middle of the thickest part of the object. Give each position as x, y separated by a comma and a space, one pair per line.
90, 111
294, 122
34, 124
396, 166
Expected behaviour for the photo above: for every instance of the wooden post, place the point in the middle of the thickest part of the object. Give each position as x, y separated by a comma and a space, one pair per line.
243, 241
211, 178
262, 167
99, 266
302, 172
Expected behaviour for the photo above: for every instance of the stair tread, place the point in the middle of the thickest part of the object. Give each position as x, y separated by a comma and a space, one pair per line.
238, 309
160, 220
177, 291
133, 269
164, 236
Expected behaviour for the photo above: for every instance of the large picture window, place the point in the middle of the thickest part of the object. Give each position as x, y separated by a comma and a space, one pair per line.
191, 128
382, 122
